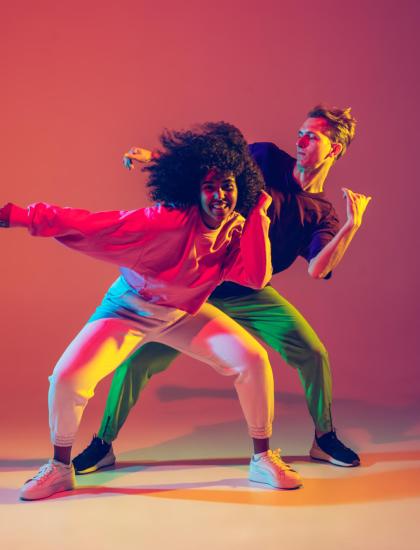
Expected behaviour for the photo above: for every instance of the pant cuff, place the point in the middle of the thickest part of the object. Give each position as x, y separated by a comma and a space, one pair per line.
260, 433
63, 440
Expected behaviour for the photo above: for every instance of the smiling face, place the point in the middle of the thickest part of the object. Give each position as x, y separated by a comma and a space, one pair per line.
218, 197
313, 146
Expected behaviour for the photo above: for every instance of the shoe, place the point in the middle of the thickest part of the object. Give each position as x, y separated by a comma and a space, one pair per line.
329, 448
52, 477
270, 469
98, 454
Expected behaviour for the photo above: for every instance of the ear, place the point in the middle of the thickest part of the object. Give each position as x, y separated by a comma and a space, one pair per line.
336, 149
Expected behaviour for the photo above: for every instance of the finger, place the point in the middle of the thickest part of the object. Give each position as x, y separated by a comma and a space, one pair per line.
127, 163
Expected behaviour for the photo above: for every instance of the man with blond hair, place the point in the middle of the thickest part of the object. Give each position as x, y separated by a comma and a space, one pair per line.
303, 223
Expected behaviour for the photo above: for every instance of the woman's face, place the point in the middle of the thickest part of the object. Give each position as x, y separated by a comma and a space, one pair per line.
218, 197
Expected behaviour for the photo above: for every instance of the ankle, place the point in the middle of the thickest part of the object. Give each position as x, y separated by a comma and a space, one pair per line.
261, 445
62, 454
320, 433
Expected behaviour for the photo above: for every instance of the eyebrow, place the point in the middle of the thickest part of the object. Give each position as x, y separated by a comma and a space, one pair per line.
228, 179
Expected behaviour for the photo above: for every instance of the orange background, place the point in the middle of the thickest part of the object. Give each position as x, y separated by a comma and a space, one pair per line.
84, 81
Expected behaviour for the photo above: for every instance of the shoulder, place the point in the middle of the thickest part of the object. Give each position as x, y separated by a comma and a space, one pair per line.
273, 162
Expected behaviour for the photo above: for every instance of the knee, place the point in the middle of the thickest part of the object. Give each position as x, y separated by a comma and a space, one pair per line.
64, 384
61, 383
318, 353
257, 358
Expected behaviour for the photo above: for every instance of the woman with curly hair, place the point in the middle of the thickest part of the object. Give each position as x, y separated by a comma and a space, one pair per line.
171, 256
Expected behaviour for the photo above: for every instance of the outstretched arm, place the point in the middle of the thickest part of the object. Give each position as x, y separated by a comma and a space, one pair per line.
330, 256
114, 236
249, 262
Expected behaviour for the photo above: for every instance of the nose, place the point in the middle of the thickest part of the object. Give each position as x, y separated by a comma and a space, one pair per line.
219, 193
302, 141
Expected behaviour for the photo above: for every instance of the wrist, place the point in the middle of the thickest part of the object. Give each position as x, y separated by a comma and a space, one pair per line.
351, 225
5, 215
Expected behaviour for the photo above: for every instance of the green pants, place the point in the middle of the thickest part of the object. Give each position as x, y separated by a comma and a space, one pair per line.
266, 315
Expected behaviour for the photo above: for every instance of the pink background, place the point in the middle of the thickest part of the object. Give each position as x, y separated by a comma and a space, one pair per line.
82, 82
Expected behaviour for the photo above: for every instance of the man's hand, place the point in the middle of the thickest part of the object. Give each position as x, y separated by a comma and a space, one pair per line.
356, 206
137, 154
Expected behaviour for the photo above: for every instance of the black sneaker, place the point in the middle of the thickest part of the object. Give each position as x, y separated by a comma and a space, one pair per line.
330, 449
98, 454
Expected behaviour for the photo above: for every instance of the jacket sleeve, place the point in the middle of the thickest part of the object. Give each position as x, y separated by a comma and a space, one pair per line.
249, 260
113, 236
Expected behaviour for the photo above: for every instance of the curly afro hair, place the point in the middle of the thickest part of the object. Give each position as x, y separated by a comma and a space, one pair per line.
187, 156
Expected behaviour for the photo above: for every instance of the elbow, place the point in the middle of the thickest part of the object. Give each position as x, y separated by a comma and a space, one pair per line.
315, 272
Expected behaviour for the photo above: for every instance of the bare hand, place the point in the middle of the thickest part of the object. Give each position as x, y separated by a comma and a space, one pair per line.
356, 206
137, 154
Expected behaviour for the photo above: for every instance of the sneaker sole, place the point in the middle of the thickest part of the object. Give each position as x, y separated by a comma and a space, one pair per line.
318, 454
40, 497
99, 466
268, 484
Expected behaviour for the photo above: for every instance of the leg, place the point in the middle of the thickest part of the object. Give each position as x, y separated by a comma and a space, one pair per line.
273, 319
269, 316
128, 381
95, 352
214, 338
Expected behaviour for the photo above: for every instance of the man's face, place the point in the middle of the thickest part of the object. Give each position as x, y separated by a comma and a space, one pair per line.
313, 146
218, 197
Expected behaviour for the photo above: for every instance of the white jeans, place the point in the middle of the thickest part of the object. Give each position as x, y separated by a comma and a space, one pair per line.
124, 322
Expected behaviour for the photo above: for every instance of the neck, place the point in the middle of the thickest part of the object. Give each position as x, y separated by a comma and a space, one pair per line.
209, 222
311, 180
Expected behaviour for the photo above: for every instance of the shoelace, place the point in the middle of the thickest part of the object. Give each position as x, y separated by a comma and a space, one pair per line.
275, 458
43, 473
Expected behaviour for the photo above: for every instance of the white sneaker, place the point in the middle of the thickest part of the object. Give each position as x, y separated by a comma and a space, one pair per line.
52, 477
270, 469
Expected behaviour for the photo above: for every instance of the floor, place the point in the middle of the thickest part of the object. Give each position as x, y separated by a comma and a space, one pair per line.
183, 484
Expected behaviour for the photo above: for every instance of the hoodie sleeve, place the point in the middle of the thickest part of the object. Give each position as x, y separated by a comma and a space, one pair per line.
249, 260
113, 236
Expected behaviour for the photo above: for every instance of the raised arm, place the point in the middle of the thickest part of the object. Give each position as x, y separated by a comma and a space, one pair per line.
249, 262
330, 256
138, 154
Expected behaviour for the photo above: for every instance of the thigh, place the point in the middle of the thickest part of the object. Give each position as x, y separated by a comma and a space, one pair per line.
97, 350
271, 317
214, 338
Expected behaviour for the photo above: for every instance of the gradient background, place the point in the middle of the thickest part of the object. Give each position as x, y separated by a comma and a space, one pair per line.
84, 82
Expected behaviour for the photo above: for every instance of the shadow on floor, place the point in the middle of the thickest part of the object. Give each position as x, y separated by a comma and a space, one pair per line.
385, 423
354, 486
